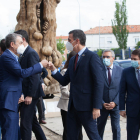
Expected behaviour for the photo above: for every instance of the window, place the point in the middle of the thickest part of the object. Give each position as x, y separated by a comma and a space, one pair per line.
136, 40
109, 40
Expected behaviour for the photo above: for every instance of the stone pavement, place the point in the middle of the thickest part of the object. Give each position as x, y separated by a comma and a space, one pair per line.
55, 124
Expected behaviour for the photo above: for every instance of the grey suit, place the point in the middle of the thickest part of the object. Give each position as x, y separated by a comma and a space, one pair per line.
111, 94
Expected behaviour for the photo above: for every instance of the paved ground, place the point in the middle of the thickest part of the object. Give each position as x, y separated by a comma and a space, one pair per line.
55, 125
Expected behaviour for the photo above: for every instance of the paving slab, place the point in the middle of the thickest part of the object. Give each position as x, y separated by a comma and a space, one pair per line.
55, 124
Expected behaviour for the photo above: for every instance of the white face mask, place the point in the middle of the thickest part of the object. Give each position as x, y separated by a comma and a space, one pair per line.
69, 46
21, 49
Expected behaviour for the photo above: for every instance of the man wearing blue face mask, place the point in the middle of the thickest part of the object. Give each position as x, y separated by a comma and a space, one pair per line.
112, 76
130, 84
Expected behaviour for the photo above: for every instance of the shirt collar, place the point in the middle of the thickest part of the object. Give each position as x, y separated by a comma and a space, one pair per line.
137, 70
81, 51
13, 54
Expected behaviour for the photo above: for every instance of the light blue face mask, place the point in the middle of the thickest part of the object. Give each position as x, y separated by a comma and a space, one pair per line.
134, 64
106, 62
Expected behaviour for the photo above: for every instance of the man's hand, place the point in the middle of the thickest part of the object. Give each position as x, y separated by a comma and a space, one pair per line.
21, 99
51, 66
28, 100
44, 63
112, 105
96, 113
123, 114
109, 106
106, 106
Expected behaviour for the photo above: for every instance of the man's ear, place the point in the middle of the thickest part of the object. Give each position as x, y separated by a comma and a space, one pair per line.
24, 39
12, 44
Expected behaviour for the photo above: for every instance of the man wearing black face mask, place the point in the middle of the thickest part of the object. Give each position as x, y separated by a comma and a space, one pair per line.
130, 96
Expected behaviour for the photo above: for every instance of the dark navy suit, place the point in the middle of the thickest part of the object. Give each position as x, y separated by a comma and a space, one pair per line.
32, 87
11, 76
129, 84
86, 91
111, 94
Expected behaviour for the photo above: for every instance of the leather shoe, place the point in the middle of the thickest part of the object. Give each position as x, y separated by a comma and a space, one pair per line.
42, 122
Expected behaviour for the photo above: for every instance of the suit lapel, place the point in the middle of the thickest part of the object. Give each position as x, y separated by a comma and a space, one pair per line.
114, 70
24, 54
135, 78
81, 58
105, 76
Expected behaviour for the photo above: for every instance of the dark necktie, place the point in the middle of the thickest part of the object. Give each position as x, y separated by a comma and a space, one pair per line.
19, 58
138, 77
76, 59
109, 76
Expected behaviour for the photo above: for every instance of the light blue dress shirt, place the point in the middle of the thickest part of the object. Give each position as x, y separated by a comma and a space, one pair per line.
17, 57
79, 56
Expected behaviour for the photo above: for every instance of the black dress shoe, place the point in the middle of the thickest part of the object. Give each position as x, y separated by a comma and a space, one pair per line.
42, 122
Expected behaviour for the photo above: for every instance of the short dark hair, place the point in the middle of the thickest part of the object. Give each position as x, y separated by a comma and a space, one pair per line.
11, 38
2, 45
79, 34
136, 52
24, 34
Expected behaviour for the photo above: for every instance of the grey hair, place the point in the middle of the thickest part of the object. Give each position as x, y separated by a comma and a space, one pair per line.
107, 50
11, 38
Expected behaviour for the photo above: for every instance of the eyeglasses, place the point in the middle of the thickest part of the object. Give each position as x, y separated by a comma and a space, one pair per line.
106, 56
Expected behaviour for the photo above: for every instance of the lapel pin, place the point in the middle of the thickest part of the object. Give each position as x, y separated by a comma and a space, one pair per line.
83, 54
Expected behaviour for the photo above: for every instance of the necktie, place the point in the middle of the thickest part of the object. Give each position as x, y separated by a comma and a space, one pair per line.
109, 76
138, 77
19, 58
76, 59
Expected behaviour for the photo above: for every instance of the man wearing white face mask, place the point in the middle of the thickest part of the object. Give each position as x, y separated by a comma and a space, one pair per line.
112, 76
130, 84
32, 90
86, 80
11, 76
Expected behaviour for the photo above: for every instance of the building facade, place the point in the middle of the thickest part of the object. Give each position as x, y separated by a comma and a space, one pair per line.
103, 38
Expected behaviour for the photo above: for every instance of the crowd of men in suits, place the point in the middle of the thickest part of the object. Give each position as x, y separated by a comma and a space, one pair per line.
97, 89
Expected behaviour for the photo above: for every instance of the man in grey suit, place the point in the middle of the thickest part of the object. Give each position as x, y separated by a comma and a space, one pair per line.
112, 76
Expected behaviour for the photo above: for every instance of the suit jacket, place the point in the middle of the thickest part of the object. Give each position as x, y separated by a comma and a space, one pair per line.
111, 92
86, 88
129, 85
31, 86
11, 75
65, 92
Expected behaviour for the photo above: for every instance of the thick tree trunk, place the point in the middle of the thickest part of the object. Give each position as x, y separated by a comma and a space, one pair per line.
38, 18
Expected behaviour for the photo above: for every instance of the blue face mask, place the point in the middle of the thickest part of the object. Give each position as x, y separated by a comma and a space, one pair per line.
106, 62
134, 64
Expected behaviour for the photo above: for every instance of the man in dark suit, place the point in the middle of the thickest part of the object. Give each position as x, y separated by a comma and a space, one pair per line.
86, 87
32, 90
112, 76
11, 75
130, 96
